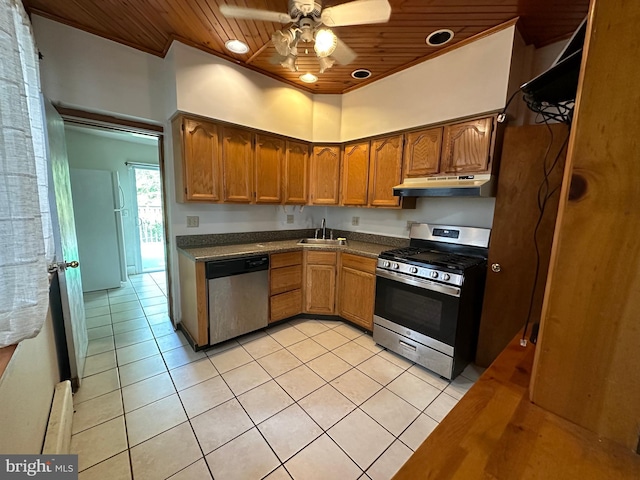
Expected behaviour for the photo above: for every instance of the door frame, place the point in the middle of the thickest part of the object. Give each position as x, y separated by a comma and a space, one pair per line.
134, 205
108, 122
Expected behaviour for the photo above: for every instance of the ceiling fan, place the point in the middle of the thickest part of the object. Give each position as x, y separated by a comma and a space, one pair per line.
307, 18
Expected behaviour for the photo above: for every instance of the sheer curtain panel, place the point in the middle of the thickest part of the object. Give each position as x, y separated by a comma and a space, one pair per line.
26, 241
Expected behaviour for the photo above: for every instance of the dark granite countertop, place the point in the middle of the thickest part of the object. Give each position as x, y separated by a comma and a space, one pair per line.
220, 252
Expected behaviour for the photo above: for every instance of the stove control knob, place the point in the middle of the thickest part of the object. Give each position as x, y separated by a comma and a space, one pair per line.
434, 274
446, 276
396, 266
386, 264
413, 270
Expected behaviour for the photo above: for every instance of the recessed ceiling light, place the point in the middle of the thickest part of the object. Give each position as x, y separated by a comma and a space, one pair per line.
361, 74
308, 78
236, 46
439, 37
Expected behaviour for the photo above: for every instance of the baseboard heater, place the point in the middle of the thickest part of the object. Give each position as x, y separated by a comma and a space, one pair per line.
57, 439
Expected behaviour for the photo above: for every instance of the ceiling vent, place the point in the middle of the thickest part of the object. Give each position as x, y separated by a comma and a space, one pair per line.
439, 37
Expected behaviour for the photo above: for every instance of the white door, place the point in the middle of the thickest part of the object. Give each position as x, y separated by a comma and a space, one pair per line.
66, 245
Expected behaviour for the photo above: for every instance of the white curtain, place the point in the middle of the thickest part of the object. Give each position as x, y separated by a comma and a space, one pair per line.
26, 240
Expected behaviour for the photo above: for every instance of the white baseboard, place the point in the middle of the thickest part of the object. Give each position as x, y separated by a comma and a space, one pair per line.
57, 439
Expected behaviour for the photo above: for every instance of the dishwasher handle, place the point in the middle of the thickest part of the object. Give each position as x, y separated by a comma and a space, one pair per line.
236, 266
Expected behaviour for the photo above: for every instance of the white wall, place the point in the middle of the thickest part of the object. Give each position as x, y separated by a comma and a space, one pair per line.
213, 87
461, 211
87, 150
86, 71
26, 391
466, 81
327, 118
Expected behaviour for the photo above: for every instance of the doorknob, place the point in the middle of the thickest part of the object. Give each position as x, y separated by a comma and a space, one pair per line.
62, 266
495, 267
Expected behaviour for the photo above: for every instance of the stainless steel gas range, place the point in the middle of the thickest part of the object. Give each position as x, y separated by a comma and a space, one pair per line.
429, 296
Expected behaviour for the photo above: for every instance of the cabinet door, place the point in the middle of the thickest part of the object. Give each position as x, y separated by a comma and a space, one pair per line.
320, 289
385, 171
269, 158
200, 160
355, 174
325, 174
466, 147
422, 152
237, 165
285, 305
295, 173
285, 279
357, 296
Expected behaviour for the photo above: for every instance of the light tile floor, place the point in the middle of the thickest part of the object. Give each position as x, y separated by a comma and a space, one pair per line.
307, 399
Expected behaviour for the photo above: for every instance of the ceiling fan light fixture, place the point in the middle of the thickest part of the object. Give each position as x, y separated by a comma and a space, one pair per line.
325, 63
236, 46
308, 78
325, 42
283, 41
290, 63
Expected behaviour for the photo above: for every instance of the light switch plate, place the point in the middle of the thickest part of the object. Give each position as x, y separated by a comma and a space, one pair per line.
289, 218
355, 221
193, 221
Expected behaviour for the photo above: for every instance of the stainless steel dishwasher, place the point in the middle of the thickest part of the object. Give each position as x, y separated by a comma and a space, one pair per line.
238, 296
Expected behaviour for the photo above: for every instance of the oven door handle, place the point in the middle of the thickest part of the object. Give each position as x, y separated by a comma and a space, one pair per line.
419, 282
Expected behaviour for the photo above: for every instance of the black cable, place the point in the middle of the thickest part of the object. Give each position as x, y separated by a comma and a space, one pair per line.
541, 207
513, 95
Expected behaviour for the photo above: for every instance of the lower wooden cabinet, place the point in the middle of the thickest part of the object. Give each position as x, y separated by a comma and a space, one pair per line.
285, 285
323, 283
320, 282
356, 287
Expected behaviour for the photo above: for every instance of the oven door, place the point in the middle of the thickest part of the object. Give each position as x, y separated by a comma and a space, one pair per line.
426, 307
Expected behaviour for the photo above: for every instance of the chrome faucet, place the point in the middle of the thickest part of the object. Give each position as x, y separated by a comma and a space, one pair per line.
324, 229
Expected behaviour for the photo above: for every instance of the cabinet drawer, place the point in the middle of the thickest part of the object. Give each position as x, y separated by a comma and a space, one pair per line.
285, 279
286, 305
286, 259
320, 258
357, 262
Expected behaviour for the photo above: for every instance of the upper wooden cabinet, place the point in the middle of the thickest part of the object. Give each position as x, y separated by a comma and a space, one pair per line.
269, 160
385, 171
355, 174
324, 182
295, 173
237, 165
229, 164
422, 152
467, 146
196, 147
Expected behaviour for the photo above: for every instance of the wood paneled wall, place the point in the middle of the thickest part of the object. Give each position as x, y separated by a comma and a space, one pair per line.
586, 366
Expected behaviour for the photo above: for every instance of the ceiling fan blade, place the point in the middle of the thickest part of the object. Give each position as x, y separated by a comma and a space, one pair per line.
232, 11
343, 53
357, 12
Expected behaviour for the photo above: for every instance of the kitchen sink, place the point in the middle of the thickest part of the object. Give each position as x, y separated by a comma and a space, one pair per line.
323, 241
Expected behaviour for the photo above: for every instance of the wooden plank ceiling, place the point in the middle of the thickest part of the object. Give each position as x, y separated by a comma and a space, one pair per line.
383, 49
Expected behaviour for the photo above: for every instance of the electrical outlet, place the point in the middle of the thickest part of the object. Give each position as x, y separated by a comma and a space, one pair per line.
355, 221
409, 223
289, 218
193, 221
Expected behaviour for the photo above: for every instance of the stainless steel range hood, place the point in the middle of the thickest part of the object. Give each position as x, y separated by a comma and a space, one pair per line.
447, 186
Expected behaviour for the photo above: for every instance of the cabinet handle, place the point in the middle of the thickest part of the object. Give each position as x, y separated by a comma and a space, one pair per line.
495, 267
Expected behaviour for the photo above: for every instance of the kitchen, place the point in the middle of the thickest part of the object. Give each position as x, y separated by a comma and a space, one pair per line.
75, 55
